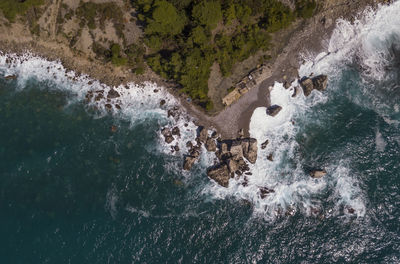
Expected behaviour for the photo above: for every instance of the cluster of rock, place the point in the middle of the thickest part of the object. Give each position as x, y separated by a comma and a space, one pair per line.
247, 83
232, 156
109, 97
313, 83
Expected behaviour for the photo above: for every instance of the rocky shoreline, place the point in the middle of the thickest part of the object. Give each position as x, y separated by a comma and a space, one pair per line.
234, 155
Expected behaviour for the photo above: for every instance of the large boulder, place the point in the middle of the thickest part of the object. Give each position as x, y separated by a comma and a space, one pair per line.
273, 110
318, 173
188, 162
316, 83
220, 174
166, 132
249, 147
202, 134
211, 145
112, 94
233, 165
236, 149
10, 77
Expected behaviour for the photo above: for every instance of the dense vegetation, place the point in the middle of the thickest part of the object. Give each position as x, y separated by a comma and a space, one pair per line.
12, 8
186, 37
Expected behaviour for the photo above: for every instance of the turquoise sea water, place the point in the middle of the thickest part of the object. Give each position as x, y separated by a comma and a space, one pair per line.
74, 191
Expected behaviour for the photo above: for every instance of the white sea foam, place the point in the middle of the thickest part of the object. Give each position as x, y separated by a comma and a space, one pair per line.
368, 42
138, 102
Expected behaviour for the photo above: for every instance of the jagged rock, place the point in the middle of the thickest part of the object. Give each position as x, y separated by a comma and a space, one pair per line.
320, 82
309, 84
318, 173
188, 162
171, 113
249, 147
112, 94
202, 134
118, 106
214, 135
99, 95
270, 157
176, 131
286, 85
241, 133
211, 145
108, 106
10, 77
273, 110
236, 149
189, 144
264, 144
295, 91
176, 148
220, 174
162, 102
195, 151
233, 165
248, 173
245, 182
166, 132
224, 148
264, 191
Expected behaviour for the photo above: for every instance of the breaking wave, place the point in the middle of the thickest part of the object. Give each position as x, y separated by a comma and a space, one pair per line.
368, 47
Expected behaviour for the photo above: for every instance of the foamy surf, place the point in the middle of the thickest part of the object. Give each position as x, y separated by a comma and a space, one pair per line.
369, 45
135, 103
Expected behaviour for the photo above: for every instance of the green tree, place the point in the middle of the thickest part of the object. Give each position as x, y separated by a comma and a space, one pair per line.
207, 13
165, 20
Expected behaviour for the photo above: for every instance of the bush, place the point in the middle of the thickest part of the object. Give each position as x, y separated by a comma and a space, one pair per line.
305, 8
12, 8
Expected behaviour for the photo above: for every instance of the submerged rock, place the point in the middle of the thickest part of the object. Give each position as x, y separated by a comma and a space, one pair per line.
264, 144
264, 191
316, 83
10, 77
162, 102
220, 174
318, 173
273, 110
188, 162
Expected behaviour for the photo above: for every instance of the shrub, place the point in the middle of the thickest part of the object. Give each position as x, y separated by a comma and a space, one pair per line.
12, 8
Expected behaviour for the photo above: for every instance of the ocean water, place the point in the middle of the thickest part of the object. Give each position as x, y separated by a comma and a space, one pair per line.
83, 184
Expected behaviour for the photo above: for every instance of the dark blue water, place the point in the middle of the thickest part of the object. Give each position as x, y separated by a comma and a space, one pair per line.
73, 191
79, 185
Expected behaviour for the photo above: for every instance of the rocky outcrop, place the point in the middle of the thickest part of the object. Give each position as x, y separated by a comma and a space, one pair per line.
318, 173
249, 146
220, 174
316, 83
112, 94
264, 144
202, 134
166, 132
211, 145
264, 191
10, 77
273, 110
188, 162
